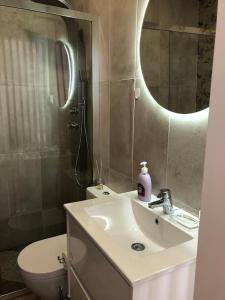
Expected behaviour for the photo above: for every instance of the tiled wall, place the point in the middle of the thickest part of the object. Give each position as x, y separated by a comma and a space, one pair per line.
140, 130
169, 59
207, 19
177, 66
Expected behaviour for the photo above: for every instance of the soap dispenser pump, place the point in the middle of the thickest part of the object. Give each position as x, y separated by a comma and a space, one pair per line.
144, 187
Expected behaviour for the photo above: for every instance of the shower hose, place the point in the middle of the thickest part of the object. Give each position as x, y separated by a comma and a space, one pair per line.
82, 132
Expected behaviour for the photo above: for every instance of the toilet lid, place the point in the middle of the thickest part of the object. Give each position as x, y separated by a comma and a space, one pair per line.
41, 258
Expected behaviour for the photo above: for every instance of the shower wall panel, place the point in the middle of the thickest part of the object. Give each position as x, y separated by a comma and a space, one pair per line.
36, 153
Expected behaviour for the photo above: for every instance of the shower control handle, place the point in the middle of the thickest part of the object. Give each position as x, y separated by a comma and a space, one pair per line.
74, 110
73, 125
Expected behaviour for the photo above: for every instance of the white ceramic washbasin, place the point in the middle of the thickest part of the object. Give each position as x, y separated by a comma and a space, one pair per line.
128, 222
117, 222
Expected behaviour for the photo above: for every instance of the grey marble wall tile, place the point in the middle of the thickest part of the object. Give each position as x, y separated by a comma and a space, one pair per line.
150, 56
164, 58
4, 133
150, 138
155, 61
186, 160
54, 222
152, 14
70, 190
183, 98
105, 125
5, 235
204, 71
59, 184
81, 5
102, 9
155, 92
123, 38
121, 125
164, 96
119, 182
106, 176
183, 58
178, 12
25, 229
208, 13
51, 181
20, 230
4, 187
25, 184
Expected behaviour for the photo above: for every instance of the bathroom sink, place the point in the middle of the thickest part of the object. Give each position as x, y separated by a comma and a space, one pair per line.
130, 223
139, 241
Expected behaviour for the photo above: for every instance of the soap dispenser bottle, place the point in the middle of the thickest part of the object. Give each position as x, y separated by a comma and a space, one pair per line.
144, 187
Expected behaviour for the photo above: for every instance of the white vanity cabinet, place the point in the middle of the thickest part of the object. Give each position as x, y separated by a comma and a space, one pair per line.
103, 265
91, 274
77, 291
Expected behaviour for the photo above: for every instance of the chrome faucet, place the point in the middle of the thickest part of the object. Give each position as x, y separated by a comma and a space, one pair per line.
165, 201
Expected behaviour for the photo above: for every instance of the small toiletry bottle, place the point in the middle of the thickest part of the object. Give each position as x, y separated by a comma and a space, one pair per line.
144, 187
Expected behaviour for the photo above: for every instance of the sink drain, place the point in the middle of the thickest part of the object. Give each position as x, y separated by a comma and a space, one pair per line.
138, 246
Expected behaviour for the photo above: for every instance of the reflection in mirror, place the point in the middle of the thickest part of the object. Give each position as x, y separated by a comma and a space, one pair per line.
63, 72
177, 46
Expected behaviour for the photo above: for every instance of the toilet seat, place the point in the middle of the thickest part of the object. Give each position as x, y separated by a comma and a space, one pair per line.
40, 259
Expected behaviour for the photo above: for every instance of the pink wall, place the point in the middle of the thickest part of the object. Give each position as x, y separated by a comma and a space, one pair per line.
210, 274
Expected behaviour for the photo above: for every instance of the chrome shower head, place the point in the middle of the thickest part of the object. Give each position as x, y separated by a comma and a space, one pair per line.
58, 3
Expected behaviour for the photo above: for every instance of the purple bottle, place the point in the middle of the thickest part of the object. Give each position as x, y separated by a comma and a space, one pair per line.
144, 186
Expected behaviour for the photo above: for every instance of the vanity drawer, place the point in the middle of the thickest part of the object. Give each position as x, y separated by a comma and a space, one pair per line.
99, 277
77, 291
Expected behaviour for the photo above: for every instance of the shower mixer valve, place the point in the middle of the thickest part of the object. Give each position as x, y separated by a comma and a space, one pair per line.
72, 125
74, 110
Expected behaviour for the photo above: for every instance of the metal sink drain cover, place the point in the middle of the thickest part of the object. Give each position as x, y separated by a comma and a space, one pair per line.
138, 246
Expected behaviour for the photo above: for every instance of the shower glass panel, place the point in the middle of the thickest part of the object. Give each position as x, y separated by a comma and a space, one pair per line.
46, 128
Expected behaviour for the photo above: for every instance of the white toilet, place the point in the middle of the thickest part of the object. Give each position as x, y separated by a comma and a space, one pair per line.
41, 269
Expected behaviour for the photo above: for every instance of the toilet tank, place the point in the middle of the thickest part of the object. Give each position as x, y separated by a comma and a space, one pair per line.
95, 192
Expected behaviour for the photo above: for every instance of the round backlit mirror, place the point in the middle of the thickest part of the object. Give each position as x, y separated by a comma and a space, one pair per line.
177, 46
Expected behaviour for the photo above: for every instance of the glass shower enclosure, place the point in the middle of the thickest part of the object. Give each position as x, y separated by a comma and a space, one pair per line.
46, 148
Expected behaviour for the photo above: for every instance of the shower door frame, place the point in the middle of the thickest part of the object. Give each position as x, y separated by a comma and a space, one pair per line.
77, 15
94, 20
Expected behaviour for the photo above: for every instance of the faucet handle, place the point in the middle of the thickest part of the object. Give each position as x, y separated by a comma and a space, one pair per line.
164, 200
74, 110
160, 195
155, 203
165, 194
